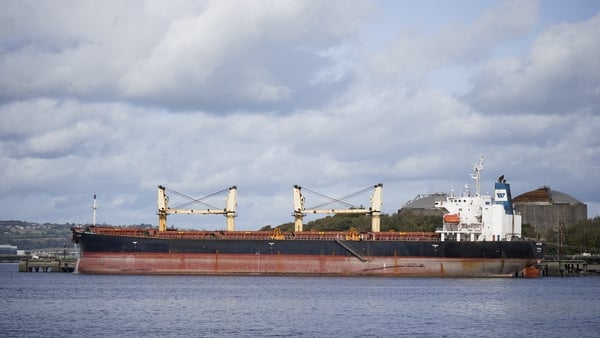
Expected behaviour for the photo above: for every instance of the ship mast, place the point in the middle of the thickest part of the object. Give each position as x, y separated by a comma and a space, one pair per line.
476, 175
164, 209
374, 211
94, 207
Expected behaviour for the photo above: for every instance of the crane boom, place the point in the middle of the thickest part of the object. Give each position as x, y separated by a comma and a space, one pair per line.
374, 211
164, 210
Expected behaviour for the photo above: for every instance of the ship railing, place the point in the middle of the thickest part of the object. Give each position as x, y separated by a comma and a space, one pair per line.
366, 236
268, 235
470, 227
320, 235
456, 227
404, 236
216, 235
185, 235
451, 226
114, 231
244, 235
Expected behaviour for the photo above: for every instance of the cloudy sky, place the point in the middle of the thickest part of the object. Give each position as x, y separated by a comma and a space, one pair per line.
116, 97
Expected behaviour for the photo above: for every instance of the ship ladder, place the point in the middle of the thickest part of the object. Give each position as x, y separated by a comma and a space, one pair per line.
350, 250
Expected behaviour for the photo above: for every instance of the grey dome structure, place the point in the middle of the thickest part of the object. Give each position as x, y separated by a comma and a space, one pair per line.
547, 209
424, 204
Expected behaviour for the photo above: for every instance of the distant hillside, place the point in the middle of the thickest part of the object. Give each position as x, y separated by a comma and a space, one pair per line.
30, 236
395, 222
34, 236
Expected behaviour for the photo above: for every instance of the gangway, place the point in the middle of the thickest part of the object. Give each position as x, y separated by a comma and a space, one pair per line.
350, 250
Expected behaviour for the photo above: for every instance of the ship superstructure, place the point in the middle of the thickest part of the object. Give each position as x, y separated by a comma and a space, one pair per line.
476, 217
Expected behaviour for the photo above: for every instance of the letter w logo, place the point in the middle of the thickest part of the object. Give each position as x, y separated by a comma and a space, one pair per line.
500, 195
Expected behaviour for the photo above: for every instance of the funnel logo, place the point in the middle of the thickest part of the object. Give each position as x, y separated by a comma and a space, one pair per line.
501, 195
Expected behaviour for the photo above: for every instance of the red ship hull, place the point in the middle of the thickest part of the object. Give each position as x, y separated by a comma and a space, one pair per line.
267, 264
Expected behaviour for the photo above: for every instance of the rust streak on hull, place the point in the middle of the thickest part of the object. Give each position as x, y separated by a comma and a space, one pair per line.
276, 264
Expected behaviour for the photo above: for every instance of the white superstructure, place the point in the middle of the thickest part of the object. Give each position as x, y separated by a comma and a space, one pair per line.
473, 217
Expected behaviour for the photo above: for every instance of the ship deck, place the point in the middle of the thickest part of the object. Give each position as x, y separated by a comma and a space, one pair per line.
263, 235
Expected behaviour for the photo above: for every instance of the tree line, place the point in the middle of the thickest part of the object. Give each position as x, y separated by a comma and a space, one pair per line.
343, 222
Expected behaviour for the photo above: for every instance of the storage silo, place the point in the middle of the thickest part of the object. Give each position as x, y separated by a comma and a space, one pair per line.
547, 209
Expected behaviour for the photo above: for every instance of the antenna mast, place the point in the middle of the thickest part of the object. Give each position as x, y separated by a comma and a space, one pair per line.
476, 175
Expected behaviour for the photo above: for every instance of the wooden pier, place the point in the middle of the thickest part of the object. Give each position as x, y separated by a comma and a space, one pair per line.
48, 264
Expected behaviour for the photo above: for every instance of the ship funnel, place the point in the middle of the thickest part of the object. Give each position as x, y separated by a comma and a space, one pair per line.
502, 196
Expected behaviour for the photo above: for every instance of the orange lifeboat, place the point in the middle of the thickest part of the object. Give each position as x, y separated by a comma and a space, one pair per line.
531, 272
451, 218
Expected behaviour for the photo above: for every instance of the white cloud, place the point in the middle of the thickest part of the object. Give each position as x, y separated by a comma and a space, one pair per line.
561, 74
188, 56
413, 55
232, 39
136, 99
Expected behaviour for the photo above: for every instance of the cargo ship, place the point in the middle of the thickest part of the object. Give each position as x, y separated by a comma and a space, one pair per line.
480, 237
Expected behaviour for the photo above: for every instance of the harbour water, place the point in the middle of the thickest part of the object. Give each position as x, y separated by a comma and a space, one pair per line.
76, 305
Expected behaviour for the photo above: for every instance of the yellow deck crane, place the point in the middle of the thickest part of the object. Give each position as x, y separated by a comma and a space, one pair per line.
374, 210
164, 209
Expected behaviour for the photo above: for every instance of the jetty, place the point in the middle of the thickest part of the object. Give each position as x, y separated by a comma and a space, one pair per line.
563, 267
48, 264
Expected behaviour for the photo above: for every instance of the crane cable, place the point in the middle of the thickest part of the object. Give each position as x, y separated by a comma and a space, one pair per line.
337, 200
197, 200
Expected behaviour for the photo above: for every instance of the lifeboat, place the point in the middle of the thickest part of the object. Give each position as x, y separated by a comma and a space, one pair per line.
452, 218
530, 272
